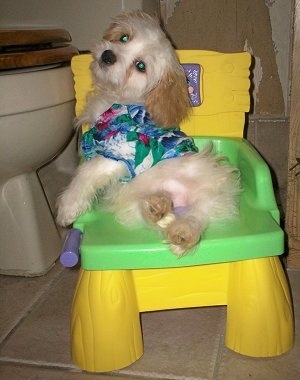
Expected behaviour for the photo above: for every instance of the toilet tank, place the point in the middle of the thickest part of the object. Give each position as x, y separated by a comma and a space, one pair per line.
30, 89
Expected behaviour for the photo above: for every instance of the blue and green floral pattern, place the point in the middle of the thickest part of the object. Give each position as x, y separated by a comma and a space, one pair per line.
127, 133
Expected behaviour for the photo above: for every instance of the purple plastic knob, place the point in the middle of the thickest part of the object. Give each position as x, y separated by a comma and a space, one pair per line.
70, 252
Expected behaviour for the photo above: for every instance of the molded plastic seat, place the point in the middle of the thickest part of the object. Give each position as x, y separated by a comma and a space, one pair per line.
125, 272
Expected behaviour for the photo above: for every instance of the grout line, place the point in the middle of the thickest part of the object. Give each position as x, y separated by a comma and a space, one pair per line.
219, 338
40, 295
274, 119
37, 363
219, 356
155, 375
74, 369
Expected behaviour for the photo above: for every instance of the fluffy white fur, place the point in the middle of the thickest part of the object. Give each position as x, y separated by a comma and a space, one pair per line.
201, 186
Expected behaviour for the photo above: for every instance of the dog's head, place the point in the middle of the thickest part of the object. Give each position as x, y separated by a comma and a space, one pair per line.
136, 64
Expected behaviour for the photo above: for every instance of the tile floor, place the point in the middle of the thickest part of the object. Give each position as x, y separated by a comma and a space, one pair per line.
179, 344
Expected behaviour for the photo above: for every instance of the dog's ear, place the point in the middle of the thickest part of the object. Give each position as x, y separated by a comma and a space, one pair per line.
168, 103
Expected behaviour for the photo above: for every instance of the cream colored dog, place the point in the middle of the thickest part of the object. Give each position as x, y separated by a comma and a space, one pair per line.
137, 161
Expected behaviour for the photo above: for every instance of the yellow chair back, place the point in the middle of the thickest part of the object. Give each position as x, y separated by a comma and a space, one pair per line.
224, 88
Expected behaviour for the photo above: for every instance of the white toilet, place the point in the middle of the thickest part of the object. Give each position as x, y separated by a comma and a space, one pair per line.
36, 124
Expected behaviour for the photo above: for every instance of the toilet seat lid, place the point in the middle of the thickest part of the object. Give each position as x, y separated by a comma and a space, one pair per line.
34, 47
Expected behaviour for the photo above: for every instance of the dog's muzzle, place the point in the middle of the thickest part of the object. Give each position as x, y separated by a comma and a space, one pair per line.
108, 57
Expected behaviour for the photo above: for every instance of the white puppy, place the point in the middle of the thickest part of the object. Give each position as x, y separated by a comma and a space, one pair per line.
142, 165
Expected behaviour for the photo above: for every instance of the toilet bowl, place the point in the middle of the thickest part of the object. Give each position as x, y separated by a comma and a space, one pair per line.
36, 123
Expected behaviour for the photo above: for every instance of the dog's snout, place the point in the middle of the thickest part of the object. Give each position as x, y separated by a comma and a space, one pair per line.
108, 57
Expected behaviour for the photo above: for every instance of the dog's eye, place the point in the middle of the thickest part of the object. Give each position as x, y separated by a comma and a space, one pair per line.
124, 38
140, 65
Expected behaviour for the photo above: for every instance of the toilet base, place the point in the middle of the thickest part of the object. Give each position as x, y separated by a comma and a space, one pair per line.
30, 242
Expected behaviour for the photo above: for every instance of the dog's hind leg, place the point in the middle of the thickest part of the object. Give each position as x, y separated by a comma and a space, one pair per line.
92, 176
157, 209
184, 233
183, 230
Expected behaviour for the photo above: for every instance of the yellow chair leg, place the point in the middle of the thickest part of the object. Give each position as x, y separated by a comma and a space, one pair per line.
105, 323
259, 312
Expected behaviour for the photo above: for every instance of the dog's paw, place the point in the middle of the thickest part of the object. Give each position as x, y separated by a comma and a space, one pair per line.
64, 217
183, 234
156, 207
68, 210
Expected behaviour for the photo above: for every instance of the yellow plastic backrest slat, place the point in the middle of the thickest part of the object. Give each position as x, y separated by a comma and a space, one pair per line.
83, 83
225, 90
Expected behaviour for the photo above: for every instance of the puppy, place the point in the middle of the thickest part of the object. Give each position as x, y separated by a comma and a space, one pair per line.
136, 158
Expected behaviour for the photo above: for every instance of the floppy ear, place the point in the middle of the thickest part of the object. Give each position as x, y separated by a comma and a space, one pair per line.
168, 103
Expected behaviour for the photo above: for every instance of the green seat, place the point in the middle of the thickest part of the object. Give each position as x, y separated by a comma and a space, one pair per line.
255, 233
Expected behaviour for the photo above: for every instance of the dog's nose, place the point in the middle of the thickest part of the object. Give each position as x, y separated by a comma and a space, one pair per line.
108, 57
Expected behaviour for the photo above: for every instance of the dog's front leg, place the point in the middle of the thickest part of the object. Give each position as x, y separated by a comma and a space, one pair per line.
92, 176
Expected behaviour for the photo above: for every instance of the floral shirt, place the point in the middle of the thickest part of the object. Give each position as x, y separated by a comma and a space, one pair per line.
126, 133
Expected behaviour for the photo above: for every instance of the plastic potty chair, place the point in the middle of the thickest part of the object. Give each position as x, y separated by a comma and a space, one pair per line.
125, 272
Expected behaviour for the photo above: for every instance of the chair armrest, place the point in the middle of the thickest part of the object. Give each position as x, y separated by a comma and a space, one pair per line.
255, 174
256, 180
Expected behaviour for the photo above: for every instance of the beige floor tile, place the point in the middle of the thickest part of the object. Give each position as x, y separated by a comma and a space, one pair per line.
44, 335
284, 367
18, 295
21, 372
238, 367
180, 344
